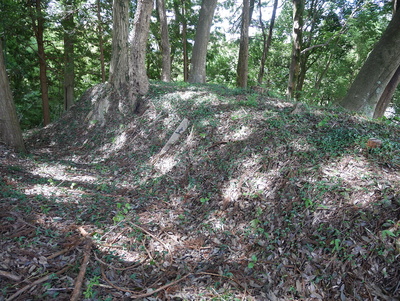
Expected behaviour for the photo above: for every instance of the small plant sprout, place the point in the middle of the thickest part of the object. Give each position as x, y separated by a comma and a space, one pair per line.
122, 212
252, 262
89, 293
204, 200
336, 245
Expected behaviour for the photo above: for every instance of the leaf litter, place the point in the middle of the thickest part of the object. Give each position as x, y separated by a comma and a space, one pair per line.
260, 200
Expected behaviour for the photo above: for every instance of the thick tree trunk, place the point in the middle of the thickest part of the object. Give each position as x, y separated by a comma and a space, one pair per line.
10, 131
69, 70
298, 12
138, 76
119, 65
165, 45
199, 54
376, 73
267, 42
101, 42
243, 62
387, 95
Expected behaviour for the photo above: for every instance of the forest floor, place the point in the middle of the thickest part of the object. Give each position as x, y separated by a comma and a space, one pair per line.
258, 199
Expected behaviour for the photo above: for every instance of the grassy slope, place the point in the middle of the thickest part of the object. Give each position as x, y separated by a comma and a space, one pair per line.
282, 206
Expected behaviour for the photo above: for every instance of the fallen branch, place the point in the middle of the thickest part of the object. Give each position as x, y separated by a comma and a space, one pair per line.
174, 137
79, 280
41, 280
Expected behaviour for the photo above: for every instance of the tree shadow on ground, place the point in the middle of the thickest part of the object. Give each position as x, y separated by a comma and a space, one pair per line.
252, 202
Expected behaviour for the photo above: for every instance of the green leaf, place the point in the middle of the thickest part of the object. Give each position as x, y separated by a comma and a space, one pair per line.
386, 233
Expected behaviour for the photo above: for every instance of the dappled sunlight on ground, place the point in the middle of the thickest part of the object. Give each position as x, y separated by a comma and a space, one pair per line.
360, 179
252, 202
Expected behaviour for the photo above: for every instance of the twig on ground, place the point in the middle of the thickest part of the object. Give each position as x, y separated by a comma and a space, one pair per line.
217, 144
149, 254
9, 275
155, 237
117, 236
66, 250
111, 229
134, 266
79, 280
43, 279
144, 295
217, 275
20, 219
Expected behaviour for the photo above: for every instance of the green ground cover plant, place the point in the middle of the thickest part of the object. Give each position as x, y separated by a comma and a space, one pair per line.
255, 201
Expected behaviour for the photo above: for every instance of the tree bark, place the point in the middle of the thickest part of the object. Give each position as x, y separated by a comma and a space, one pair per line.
138, 76
199, 53
387, 95
184, 42
321, 76
376, 73
165, 45
298, 12
101, 42
10, 131
38, 28
180, 17
119, 77
243, 62
267, 42
69, 70
301, 76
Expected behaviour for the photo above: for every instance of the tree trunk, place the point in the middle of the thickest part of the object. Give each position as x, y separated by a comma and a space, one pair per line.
38, 28
387, 95
69, 37
199, 54
138, 76
298, 11
101, 42
243, 62
180, 15
376, 73
267, 41
10, 131
165, 46
184, 43
321, 76
301, 77
119, 65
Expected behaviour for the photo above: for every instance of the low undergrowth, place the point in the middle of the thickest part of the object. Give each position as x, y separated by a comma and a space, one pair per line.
259, 199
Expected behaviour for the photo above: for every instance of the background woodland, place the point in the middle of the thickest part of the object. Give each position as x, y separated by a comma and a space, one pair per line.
58, 49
